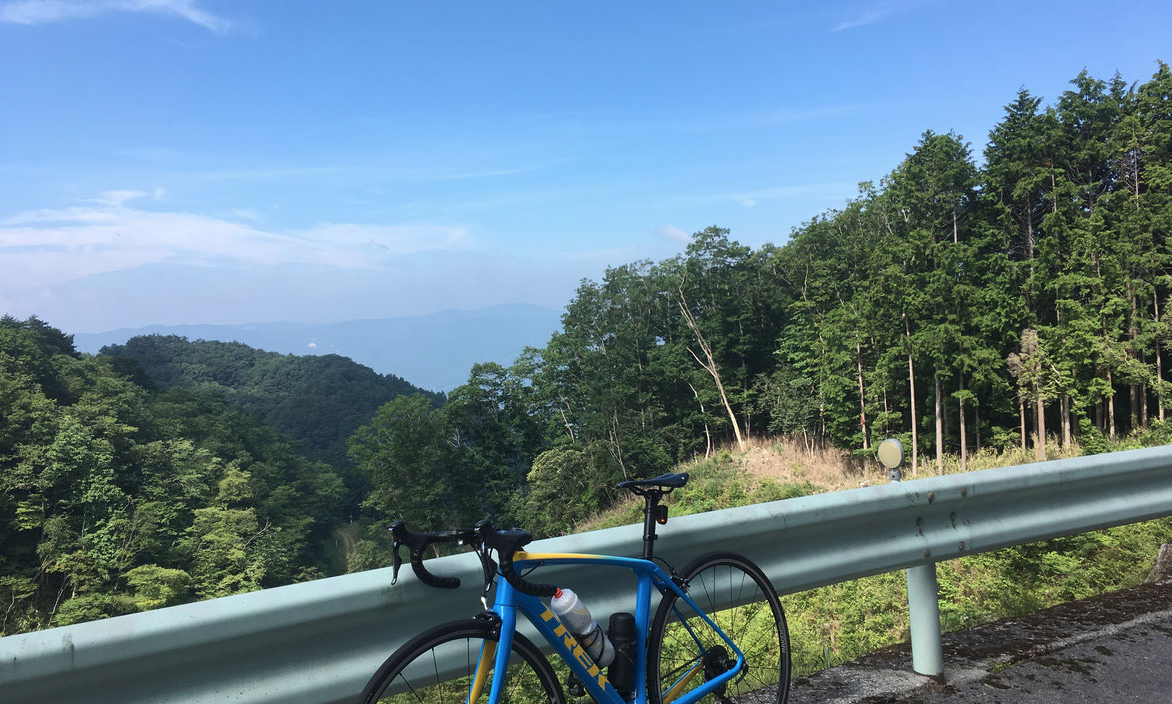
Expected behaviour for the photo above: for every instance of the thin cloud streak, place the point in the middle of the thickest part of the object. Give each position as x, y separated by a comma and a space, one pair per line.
674, 234
810, 191
603, 123
35, 12
364, 172
878, 13
47, 247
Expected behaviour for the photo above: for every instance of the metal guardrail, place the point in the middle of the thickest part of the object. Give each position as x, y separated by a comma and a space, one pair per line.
318, 642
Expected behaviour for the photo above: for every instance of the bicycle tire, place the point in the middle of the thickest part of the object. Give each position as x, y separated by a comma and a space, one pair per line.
738, 597
421, 670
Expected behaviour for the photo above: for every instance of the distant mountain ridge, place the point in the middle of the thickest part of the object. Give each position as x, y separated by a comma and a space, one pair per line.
433, 352
315, 402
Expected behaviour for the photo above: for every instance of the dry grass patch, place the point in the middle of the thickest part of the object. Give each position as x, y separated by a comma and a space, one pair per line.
784, 459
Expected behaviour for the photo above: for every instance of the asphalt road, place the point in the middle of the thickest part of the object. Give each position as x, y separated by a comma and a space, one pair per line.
1132, 664
1110, 649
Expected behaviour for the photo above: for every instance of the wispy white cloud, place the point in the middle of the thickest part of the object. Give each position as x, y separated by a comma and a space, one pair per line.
247, 214
119, 198
878, 12
605, 123
33, 12
810, 191
50, 246
674, 234
387, 173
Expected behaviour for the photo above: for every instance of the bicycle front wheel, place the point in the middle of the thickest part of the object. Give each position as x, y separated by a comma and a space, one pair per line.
454, 663
684, 652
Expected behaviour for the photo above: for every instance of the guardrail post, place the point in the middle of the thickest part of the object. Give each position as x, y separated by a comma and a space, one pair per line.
923, 591
924, 616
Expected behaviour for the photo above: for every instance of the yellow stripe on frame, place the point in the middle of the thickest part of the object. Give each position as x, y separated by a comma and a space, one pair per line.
487, 656
675, 691
522, 555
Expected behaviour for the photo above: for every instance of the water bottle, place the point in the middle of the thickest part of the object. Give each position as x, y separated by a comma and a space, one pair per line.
576, 617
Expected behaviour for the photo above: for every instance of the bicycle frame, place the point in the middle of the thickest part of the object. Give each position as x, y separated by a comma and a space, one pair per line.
509, 601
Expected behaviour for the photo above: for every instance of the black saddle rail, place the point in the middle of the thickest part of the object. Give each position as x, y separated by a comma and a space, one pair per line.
664, 483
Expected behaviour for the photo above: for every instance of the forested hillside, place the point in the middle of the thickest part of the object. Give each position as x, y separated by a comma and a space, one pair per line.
956, 306
115, 498
433, 351
952, 305
315, 402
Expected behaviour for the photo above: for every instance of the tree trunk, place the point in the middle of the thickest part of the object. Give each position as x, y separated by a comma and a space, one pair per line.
710, 367
977, 427
1063, 405
1040, 440
617, 452
955, 228
1143, 406
862, 395
1160, 386
1159, 362
566, 422
707, 432
886, 414
944, 426
1064, 410
964, 464
1029, 230
939, 426
911, 380
1133, 403
1110, 408
1133, 352
1021, 415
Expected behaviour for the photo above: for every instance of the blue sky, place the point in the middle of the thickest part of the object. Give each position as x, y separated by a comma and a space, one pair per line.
205, 161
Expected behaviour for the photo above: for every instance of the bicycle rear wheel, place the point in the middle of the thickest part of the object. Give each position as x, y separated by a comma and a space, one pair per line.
453, 664
684, 652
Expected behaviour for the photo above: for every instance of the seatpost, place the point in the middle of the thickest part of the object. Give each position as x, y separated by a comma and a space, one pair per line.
651, 499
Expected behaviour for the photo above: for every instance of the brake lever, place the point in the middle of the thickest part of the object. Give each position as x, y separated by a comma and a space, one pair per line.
396, 562
488, 566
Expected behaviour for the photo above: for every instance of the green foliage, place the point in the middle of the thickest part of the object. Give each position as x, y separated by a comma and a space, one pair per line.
714, 483
405, 454
1091, 439
563, 490
154, 586
942, 305
115, 498
1159, 434
315, 402
835, 624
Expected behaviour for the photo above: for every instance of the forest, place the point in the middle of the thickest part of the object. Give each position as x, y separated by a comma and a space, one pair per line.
955, 304
116, 498
952, 305
315, 402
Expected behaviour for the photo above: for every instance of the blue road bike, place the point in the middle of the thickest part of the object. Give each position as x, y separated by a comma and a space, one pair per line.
717, 635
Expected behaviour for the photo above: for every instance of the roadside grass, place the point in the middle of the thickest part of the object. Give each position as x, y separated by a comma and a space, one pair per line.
838, 623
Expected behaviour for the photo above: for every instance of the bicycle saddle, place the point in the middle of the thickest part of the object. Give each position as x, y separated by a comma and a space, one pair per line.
670, 481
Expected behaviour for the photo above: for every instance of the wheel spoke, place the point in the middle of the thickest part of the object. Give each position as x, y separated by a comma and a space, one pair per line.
739, 600
437, 668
